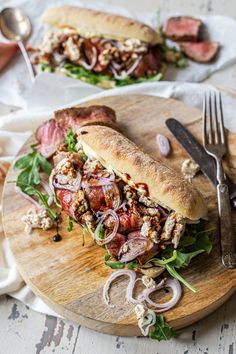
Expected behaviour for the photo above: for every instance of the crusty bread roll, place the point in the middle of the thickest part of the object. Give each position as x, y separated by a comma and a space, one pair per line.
91, 23
166, 186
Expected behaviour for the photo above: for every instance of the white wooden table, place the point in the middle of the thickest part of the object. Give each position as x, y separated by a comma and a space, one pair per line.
23, 331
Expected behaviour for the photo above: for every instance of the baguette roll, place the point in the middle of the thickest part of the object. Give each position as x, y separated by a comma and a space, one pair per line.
166, 187
90, 23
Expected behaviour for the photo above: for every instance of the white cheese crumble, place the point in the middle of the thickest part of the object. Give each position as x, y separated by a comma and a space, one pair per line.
50, 42
189, 169
133, 44
148, 282
139, 311
37, 220
72, 49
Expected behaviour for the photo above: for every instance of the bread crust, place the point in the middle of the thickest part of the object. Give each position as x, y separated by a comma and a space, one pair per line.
166, 186
91, 23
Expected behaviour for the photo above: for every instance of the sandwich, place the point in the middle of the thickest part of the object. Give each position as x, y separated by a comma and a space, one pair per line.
98, 47
133, 206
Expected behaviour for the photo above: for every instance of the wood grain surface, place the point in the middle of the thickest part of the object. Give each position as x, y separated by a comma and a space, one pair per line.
69, 277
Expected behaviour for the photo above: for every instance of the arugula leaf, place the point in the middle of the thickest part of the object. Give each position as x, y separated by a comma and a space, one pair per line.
71, 141
161, 331
115, 265
78, 72
70, 224
30, 190
183, 259
172, 271
31, 165
132, 265
119, 265
107, 256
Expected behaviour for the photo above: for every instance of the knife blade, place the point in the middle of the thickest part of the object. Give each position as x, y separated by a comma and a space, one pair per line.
198, 154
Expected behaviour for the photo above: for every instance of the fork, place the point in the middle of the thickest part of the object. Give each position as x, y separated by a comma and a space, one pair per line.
214, 142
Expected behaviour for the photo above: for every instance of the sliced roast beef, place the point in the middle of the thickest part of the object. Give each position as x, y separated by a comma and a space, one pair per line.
150, 63
182, 28
66, 199
149, 253
201, 52
129, 220
114, 246
50, 136
76, 117
134, 248
96, 198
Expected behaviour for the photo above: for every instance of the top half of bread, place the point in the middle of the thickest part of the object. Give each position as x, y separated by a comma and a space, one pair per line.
166, 186
91, 23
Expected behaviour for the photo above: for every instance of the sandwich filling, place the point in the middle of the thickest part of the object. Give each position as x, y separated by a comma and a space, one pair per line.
66, 50
118, 213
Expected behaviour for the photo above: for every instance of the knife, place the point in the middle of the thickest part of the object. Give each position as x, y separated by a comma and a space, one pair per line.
199, 155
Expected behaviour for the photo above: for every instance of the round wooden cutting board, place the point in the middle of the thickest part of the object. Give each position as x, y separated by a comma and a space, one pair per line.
69, 277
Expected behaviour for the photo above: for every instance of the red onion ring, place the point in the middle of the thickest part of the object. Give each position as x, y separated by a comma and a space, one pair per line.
98, 181
73, 185
169, 283
112, 234
133, 66
141, 325
130, 273
93, 62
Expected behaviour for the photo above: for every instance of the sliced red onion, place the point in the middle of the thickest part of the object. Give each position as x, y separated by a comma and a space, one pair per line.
93, 62
169, 283
163, 144
70, 184
135, 247
122, 272
115, 65
98, 181
112, 234
117, 76
133, 66
148, 322
29, 198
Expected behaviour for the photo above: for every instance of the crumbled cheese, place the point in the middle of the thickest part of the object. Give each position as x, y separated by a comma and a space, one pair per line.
93, 165
168, 227
50, 42
105, 57
89, 220
148, 282
125, 248
146, 201
72, 49
134, 45
130, 195
139, 311
189, 169
178, 231
151, 227
37, 220
80, 204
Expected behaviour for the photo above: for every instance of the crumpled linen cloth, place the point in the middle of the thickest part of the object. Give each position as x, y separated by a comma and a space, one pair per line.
15, 128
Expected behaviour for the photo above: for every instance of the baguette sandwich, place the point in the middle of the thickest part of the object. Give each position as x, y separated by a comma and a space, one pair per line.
98, 47
133, 206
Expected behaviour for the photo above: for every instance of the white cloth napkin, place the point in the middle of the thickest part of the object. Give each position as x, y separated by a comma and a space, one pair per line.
16, 128
15, 82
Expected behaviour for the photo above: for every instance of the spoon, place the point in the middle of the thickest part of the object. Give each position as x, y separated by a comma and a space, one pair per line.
16, 26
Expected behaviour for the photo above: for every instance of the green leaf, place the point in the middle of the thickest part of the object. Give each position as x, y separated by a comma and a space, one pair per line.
183, 259
44, 164
23, 163
115, 265
172, 271
107, 256
78, 72
101, 231
164, 261
161, 330
71, 141
132, 265
70, 224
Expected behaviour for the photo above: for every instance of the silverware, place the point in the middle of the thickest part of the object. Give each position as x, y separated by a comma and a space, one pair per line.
214, 142
16, 26
199, 155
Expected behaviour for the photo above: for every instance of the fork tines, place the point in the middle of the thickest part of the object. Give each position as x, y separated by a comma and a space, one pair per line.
212, 112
